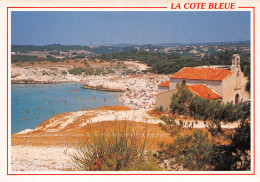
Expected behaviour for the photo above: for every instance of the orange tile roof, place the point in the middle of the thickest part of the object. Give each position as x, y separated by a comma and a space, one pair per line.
215, 74
164, 84
203, 91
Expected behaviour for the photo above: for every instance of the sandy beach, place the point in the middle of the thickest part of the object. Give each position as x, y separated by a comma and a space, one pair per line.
139, 90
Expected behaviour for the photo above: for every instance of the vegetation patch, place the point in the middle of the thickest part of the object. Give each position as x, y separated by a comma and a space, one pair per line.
120, 149
76, 71
218, 149
63, 72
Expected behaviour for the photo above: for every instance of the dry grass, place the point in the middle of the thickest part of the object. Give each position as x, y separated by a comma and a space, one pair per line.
114, 108
116, 145
69, 137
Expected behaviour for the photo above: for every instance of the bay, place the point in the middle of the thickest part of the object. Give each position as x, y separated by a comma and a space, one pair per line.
31, 104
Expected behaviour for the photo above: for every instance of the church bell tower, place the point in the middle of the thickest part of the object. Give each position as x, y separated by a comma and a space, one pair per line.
235, 67
235, 62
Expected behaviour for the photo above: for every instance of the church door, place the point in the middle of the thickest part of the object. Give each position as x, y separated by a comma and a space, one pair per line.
237, 99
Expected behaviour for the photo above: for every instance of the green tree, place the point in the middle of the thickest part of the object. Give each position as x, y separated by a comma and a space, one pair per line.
180, 100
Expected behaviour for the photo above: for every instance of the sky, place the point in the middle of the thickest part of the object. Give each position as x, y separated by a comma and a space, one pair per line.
127, 27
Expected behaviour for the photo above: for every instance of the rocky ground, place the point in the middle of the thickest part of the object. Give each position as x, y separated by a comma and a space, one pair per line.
35, 158
58, 72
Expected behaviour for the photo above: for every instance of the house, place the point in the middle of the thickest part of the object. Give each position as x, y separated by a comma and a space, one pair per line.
164, 86
224, 84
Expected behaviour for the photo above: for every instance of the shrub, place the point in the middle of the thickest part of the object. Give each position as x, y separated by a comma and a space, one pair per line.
110, 71
90, 71
86, 63
157, 109
76, 71
63, 72
54, 52
191, 152
180, 100
161, 108
45, 73
236, 155
118, 149
98, 71
19, 58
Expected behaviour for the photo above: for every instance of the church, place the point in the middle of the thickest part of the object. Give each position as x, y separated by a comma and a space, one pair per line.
224, 84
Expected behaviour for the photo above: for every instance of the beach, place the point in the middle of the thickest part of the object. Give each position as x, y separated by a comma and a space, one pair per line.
139, 90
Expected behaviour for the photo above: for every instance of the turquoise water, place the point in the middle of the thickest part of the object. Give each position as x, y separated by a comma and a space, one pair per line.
32, 104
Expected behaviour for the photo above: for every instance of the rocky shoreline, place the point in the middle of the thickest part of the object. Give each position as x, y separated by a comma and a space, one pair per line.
36, 82
102, 88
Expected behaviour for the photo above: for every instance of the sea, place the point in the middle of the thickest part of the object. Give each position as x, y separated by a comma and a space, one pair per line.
31, 104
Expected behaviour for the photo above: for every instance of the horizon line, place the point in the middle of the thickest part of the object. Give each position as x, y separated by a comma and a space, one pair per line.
158, 44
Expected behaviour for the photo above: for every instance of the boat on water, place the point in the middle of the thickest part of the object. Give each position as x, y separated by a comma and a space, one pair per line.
75, 90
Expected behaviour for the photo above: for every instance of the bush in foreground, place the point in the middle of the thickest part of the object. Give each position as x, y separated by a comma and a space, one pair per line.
117, 149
